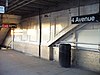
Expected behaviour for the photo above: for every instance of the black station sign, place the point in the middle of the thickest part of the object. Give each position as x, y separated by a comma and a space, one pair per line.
85, 18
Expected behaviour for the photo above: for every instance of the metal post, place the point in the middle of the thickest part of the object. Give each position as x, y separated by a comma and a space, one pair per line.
13, 38
78, 7
99, 6
1, 20
51, 56
40, 27
74, 60
6, 5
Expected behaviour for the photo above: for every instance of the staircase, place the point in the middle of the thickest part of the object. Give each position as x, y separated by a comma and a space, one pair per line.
64, 34
3, 34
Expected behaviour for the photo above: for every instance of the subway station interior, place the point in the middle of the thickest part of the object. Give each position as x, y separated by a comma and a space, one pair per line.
65, 32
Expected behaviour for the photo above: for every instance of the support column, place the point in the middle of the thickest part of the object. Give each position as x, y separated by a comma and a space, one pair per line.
99, 6
40, 28
13, 38
74, 51
51, 53
1, 18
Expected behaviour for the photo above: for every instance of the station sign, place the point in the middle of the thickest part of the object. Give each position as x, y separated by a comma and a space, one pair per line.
85, 18
8, 26
2, 9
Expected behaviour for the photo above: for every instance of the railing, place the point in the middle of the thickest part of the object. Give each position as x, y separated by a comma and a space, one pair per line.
84, 46
9, 44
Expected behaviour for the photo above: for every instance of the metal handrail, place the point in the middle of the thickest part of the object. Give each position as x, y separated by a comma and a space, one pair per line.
9, 43
64, 42
78, 47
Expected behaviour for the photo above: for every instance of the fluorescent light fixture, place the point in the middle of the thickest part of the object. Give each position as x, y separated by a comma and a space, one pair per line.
2, 9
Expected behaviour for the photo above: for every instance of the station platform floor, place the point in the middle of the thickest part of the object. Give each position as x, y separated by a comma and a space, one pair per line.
16, 63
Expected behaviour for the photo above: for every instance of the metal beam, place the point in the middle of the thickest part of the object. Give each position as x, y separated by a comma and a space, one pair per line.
20, 5
57, 1
45, 2
34, 5
46, 5
40, 30
26, 9
12, 2
21, 12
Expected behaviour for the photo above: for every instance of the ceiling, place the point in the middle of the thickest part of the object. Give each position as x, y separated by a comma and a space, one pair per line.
28, 8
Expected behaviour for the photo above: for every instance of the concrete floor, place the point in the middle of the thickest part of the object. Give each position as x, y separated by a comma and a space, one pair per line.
15, 63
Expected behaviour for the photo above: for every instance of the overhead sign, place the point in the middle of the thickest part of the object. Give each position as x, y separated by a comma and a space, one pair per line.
2, 9
8, 26
85, 18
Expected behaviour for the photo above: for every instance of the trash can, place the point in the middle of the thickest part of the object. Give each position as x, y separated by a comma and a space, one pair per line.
65, 55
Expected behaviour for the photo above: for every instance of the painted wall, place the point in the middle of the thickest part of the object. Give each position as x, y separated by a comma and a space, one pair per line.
26, 36
84, 55
88, 55
11, 19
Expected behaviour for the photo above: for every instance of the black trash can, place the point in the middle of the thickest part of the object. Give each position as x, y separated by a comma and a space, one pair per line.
65, 55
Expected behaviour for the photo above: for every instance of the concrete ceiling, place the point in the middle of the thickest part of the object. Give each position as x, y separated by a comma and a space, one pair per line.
28, 8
